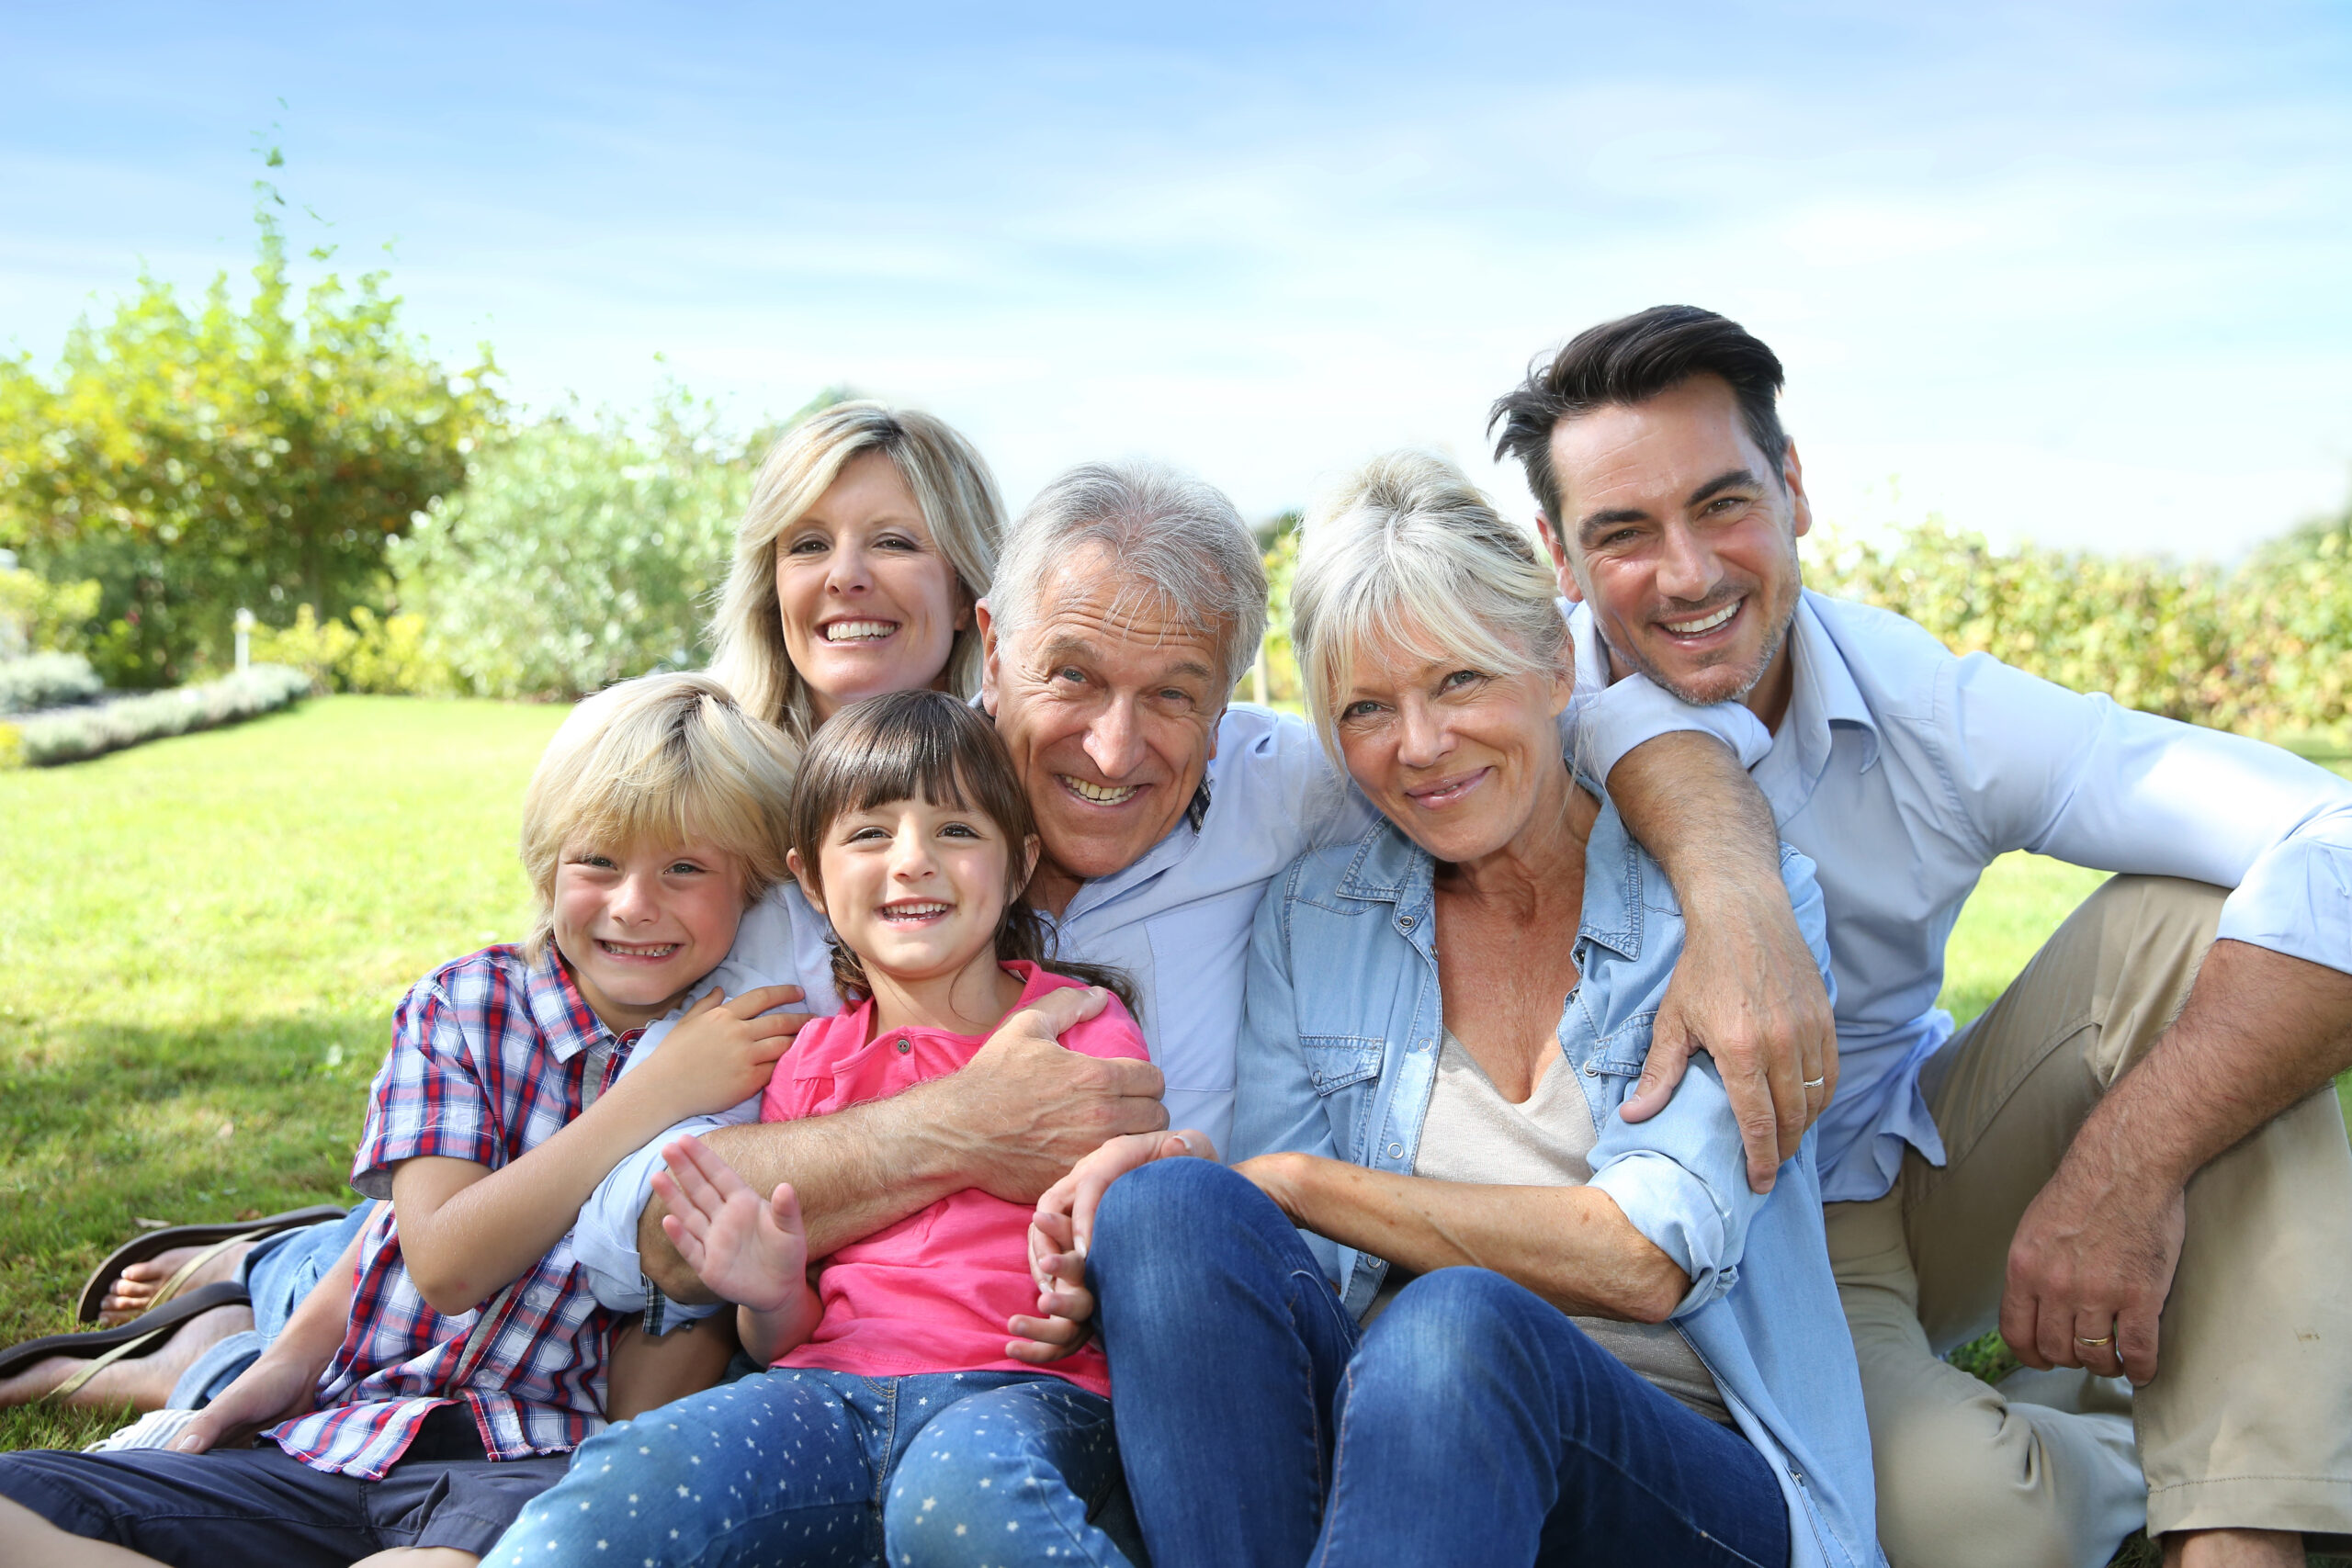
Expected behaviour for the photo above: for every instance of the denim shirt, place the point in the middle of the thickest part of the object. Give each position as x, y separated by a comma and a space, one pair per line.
1339, 1054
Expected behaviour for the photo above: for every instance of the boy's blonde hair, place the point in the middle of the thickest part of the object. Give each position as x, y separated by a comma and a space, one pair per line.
958, 499
666, 759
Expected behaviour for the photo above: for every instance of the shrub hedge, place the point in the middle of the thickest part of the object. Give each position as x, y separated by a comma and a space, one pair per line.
2265, 648
88, 732
385, 654
44, 680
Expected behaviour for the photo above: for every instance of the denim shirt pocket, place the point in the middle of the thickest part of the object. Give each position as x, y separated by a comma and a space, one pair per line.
1344, 1071
1335, 1061
1623, 1051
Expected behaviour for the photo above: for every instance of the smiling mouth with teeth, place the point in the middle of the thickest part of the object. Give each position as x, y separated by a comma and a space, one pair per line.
913, 911
859, 631
637, 950
1099, 794
1704, 623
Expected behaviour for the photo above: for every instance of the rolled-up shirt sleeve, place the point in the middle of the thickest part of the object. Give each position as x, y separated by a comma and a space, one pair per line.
1681, 1177
1679, 1213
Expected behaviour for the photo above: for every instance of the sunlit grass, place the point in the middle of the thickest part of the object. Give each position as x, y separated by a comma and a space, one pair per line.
200, 944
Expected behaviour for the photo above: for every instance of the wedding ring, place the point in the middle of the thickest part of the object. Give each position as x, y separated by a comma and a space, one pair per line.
2094, 1343
1815, 1083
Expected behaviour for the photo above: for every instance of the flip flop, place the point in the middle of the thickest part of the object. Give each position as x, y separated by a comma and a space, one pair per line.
214, 1239
107, 1346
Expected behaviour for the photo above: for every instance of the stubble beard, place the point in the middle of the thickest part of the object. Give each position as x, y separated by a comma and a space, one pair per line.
1641, 662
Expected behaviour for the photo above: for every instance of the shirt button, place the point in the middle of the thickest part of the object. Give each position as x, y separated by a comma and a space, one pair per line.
1396, 1151
905, 1044
1406, 923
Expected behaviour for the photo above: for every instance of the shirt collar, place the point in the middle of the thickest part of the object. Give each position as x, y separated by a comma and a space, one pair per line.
1822, 695
566, 1023
1389, 867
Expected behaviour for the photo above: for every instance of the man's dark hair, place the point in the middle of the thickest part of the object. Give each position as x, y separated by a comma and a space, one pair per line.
1632, 360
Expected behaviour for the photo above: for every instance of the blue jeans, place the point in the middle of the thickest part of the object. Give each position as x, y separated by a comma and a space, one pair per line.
279, 1272
802, 1467
1472, 1423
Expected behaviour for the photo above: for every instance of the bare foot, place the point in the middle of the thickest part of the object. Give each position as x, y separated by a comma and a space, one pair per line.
143, 1382
2233, 1549
134, 1289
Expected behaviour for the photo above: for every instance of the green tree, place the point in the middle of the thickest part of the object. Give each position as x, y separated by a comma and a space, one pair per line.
580, 552
192, 461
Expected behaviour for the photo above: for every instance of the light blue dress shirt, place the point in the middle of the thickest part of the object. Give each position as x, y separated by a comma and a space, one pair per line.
1339, 1057
1177, 921
1901, 772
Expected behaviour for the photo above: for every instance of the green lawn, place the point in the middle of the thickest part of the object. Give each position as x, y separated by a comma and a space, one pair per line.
202, 941
200, 944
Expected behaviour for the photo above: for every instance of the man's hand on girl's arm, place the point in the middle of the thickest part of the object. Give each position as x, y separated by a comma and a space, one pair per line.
1010, 1123
283, 1383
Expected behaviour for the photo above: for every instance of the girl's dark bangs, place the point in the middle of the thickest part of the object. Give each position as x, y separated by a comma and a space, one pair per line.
907, 757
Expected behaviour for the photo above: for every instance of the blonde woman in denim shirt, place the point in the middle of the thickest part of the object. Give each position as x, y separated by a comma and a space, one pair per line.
1450, 1306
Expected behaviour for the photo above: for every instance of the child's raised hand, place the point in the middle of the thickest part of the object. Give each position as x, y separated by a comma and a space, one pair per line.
751, 1251
723, 1051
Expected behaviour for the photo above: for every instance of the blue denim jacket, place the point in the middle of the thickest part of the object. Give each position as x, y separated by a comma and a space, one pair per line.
1338, 1054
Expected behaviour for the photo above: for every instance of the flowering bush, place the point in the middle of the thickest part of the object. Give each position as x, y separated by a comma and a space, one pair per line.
77, 733
44, 680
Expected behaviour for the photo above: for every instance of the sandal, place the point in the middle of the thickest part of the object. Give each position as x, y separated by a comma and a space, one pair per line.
107, 1346
214, 1238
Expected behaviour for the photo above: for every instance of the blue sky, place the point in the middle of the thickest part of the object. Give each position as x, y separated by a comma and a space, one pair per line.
2074, 273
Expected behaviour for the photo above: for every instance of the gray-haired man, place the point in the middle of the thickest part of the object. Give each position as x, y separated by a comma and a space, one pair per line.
1129, 600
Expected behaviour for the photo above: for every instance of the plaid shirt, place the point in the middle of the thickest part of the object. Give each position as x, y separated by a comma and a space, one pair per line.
491, 1056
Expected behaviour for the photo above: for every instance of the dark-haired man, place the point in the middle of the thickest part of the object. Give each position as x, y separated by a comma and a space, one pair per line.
2139, 1135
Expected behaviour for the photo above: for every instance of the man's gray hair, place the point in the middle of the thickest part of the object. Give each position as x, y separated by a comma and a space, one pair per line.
1180, 545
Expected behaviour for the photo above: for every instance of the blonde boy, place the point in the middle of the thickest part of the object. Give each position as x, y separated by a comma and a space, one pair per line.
412, 1412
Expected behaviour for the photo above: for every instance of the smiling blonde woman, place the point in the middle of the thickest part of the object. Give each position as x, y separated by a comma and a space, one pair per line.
871, 533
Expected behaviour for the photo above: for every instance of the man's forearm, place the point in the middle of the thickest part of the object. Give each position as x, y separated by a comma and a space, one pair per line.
2260, 1032
1685, 797
856, 1171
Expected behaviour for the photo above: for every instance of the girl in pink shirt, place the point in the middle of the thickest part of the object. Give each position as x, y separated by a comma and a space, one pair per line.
892, 1424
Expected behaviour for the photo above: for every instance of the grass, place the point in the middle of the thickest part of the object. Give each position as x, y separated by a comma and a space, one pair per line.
200, 944
201, 940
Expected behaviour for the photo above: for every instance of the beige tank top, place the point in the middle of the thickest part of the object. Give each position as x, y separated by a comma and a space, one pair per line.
1473, 1133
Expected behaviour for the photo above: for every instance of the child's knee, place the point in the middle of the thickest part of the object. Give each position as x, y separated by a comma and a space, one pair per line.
984, 1486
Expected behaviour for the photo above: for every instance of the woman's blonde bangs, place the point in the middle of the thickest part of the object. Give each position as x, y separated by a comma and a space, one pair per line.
1405, 554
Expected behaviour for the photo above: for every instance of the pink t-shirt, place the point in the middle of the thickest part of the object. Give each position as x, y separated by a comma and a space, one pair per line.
931, 1293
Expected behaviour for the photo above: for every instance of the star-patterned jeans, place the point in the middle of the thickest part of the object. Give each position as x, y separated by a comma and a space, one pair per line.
798, 1468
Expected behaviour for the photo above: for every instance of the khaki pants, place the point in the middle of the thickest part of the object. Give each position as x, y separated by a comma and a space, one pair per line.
2248, 1422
